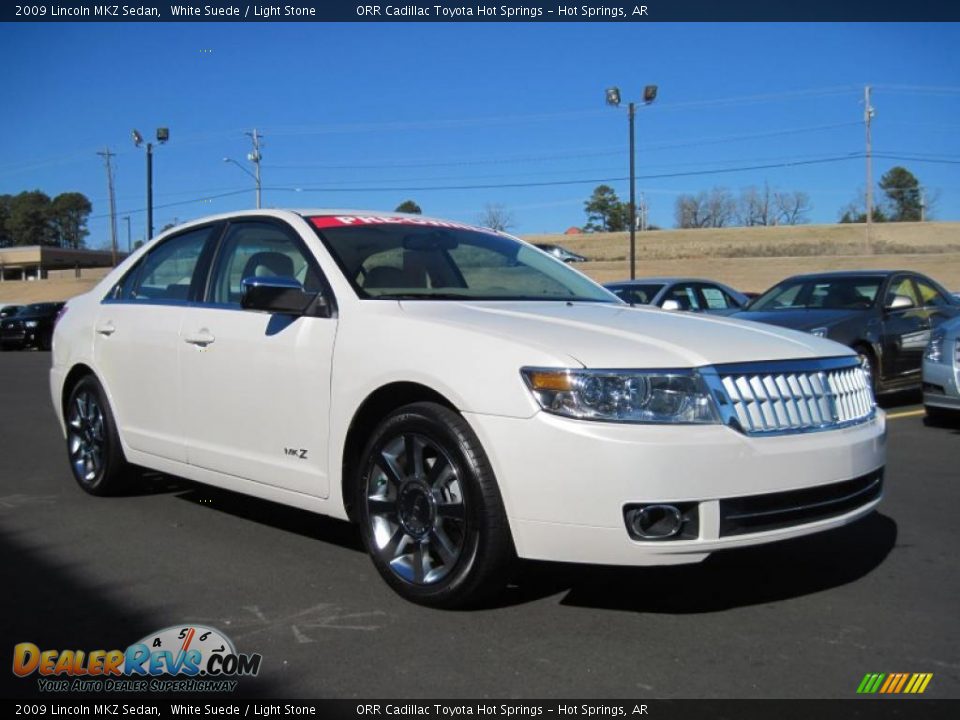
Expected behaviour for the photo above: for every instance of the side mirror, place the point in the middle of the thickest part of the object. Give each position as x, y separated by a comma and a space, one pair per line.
284, 295
899, 302
670, 304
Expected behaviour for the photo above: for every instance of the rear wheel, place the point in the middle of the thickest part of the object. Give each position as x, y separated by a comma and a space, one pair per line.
96, 457
430, 511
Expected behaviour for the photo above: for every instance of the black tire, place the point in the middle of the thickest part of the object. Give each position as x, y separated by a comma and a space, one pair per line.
45, 343
93, 446
941, 416
434, 525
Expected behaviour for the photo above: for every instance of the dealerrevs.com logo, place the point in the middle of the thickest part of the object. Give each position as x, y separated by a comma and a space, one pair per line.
190, 658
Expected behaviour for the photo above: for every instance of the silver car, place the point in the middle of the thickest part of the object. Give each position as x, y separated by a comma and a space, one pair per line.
941, 372
680, 293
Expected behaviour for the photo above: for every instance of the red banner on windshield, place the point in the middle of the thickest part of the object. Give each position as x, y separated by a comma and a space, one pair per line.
331, 221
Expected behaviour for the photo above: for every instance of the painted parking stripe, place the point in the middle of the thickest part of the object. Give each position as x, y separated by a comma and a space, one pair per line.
905, 414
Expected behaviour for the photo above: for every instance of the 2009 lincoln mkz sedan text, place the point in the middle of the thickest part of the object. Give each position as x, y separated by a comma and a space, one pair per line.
462, 396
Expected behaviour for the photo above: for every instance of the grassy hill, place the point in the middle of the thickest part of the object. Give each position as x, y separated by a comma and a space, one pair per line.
746, 258
755, 258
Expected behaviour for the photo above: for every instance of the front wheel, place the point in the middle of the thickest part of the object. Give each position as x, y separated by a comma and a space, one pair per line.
96, 457
430, 510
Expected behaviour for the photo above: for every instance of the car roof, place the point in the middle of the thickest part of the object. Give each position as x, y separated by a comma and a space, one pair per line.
849, 273
647, 280
291, 213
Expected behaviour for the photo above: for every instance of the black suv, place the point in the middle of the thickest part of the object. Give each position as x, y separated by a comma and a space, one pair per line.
31, 327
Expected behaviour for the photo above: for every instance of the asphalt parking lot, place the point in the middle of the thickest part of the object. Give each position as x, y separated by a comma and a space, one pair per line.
804, 618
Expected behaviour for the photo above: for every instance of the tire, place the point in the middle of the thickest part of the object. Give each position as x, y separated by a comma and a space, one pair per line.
93, 446
941, 416
430, 511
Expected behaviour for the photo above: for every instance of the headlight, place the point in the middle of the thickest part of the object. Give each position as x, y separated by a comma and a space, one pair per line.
30, 323
819, 332
628, 396
934, 351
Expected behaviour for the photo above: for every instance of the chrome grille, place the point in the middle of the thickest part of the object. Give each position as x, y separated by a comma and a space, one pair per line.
794, 396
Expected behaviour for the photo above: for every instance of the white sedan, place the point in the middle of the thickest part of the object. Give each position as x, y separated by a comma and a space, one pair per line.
462, 397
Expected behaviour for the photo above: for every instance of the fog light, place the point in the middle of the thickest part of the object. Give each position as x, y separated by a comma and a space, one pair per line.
653, 522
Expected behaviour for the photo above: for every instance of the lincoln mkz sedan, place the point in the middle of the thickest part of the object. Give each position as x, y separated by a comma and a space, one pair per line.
462, 397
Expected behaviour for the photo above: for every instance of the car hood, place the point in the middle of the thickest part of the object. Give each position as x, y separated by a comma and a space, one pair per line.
799, 319
606, 335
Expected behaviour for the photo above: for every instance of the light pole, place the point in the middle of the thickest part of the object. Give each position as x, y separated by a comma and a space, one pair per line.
256, 178
613, 99
163, 134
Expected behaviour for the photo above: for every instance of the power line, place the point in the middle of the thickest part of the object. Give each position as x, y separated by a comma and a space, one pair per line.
584, 181
175, 204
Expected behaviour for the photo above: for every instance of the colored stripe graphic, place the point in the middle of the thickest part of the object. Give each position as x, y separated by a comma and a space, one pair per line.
894, 683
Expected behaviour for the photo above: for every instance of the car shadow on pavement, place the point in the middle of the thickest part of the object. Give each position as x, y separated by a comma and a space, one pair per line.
57, 605
725, 580
281, 517
890, 401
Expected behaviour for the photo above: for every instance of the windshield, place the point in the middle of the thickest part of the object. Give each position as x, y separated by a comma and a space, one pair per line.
636, 294
841, 293
403, 258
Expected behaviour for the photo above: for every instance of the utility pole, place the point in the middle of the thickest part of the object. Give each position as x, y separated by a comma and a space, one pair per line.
255, 158
867, 117
643, 213
923, 206
107, 159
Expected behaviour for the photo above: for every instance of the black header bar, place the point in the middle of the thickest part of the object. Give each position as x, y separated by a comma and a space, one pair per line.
489, 11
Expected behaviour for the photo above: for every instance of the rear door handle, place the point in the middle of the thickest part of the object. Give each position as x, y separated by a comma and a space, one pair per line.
201, 338
106, 328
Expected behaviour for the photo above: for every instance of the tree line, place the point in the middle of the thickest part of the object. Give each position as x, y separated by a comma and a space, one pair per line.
33, 218
901, 199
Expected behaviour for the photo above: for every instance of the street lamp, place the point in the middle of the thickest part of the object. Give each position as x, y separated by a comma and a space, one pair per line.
163, 134
613, 99
256, 178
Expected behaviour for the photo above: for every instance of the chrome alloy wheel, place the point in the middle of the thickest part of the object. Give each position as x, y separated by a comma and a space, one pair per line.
86, 437
417, 509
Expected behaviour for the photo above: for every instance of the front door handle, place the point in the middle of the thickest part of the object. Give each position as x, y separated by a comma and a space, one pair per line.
106, 328
201, 338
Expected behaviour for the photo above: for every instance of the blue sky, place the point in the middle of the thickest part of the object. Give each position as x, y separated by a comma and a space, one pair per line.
348, 110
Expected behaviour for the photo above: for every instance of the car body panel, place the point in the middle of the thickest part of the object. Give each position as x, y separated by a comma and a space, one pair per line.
941, 380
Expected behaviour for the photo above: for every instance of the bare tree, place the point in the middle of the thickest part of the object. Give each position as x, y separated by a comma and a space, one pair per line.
792, 207
721, 207
756, 206
690, 211
497, 217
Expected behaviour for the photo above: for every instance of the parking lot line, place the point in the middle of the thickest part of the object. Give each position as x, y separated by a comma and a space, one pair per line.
905, 414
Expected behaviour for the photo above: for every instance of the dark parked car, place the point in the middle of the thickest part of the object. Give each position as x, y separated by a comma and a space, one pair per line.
9, 311
31, 327
674, 293
560, 253
885, 315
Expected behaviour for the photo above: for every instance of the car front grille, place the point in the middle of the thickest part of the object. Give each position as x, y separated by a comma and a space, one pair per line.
760, 513
793, 396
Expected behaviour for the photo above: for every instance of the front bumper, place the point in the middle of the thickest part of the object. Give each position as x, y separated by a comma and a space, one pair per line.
939, 377
566, 483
